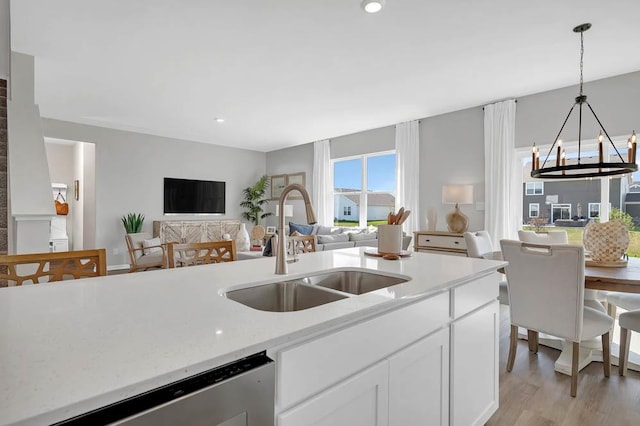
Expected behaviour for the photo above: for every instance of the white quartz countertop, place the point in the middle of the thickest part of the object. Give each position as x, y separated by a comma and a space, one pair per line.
70, 347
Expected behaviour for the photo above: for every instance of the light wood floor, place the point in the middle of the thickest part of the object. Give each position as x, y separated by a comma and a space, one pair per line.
534, 394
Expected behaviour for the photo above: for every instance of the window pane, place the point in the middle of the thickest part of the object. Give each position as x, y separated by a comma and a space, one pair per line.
379, 205
381, 173
345, 209
347, 175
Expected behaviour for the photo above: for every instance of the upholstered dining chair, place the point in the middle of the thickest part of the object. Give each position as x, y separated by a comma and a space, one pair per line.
145, 256
629, 321
191, 254
479, 243
551, 237
592, 298
16, 269
546, 294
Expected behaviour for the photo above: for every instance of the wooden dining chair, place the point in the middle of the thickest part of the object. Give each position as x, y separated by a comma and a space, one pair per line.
190, 254
16, 269
143, 257
546, 295
303, 243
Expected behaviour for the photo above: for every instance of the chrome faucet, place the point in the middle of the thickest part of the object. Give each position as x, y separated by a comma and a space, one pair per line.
281, 250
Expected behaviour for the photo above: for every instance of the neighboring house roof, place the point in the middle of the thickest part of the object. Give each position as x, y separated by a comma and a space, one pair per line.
374, 199
634, 187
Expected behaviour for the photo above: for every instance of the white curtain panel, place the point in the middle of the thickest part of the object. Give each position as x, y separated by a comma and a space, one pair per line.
322, 183
407, 172
503, 180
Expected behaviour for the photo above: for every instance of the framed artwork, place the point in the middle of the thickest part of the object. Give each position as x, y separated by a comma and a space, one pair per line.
271, 229
278, 183
296, 178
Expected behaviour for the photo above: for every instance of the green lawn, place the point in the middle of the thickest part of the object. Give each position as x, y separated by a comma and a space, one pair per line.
575, 237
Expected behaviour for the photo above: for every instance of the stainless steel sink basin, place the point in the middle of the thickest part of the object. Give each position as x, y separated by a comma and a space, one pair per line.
354, 282
283, 296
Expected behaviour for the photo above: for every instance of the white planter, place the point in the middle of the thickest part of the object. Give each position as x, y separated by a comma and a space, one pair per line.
242, 239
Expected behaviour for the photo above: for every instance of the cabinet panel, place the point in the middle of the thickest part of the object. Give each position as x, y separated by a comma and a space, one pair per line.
419, 382
474, 366
310, 367
466, 298
361, 400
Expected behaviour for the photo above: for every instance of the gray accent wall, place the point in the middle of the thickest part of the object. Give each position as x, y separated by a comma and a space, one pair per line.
452, 144
129, 172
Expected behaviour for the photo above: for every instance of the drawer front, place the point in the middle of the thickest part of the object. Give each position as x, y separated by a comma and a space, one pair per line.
461, 253
474, 294
312, 366
442, 241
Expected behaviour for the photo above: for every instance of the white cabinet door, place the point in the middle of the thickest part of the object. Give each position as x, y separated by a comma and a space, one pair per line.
474, 366
361, 400
419, 382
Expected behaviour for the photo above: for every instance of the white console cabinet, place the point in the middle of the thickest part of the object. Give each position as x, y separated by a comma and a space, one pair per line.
194, 231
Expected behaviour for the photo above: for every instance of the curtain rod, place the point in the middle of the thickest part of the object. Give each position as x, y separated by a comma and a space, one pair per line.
499, 101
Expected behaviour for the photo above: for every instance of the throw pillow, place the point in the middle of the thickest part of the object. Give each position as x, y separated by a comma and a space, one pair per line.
303, 229
146, 245
363, 236
335, 238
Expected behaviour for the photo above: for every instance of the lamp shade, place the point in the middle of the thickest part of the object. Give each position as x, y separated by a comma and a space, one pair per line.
288, 210
457, 194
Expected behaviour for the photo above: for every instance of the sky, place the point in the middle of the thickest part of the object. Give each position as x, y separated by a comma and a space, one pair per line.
381, 173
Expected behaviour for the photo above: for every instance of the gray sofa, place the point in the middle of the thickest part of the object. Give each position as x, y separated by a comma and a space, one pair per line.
331, 238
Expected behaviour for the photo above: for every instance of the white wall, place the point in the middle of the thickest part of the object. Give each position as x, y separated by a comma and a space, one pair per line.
286, 161
129, 172
60, 159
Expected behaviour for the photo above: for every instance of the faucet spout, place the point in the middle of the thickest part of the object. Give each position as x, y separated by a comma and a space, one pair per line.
281, 250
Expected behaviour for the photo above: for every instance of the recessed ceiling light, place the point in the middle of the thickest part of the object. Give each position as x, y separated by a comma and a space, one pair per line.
219, 120
372, 6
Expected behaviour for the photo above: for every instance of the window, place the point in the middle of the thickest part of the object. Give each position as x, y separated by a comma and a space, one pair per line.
594, 210
560, 211
534, 188
364, 189
534, 209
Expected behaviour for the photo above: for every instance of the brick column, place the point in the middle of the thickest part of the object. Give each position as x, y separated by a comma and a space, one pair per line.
3, 166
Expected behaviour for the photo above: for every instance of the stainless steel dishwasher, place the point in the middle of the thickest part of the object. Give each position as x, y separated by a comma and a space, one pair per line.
237, 394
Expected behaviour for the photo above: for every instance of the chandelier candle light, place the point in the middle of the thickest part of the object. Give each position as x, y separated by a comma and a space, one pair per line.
583, 170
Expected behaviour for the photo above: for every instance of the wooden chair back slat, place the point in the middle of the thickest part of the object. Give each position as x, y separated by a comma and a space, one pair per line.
17, 269
191, 254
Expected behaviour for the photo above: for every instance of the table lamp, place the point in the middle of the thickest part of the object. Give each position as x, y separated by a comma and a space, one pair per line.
457, 194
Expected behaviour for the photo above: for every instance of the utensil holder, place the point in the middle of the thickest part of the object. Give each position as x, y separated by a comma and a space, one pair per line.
389, 239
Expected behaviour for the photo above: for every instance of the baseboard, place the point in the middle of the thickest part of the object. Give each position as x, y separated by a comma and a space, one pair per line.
117, 267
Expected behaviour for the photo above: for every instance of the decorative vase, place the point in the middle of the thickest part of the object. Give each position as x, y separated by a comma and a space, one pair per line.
242, 238
432, 219
606, 242
457, 221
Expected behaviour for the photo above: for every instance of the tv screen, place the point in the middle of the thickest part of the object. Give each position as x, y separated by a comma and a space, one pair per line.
187, 196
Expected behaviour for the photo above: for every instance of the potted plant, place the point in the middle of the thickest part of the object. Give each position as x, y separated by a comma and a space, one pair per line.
133, 222
254, 202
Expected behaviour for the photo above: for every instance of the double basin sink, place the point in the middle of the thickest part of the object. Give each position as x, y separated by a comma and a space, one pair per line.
314, 290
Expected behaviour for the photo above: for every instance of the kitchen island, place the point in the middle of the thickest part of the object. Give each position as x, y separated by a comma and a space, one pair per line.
71, 347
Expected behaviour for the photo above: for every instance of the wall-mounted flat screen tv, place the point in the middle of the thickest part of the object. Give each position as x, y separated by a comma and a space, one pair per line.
187, 196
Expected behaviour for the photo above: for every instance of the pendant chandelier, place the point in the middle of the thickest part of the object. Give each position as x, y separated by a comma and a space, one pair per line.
562, 170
